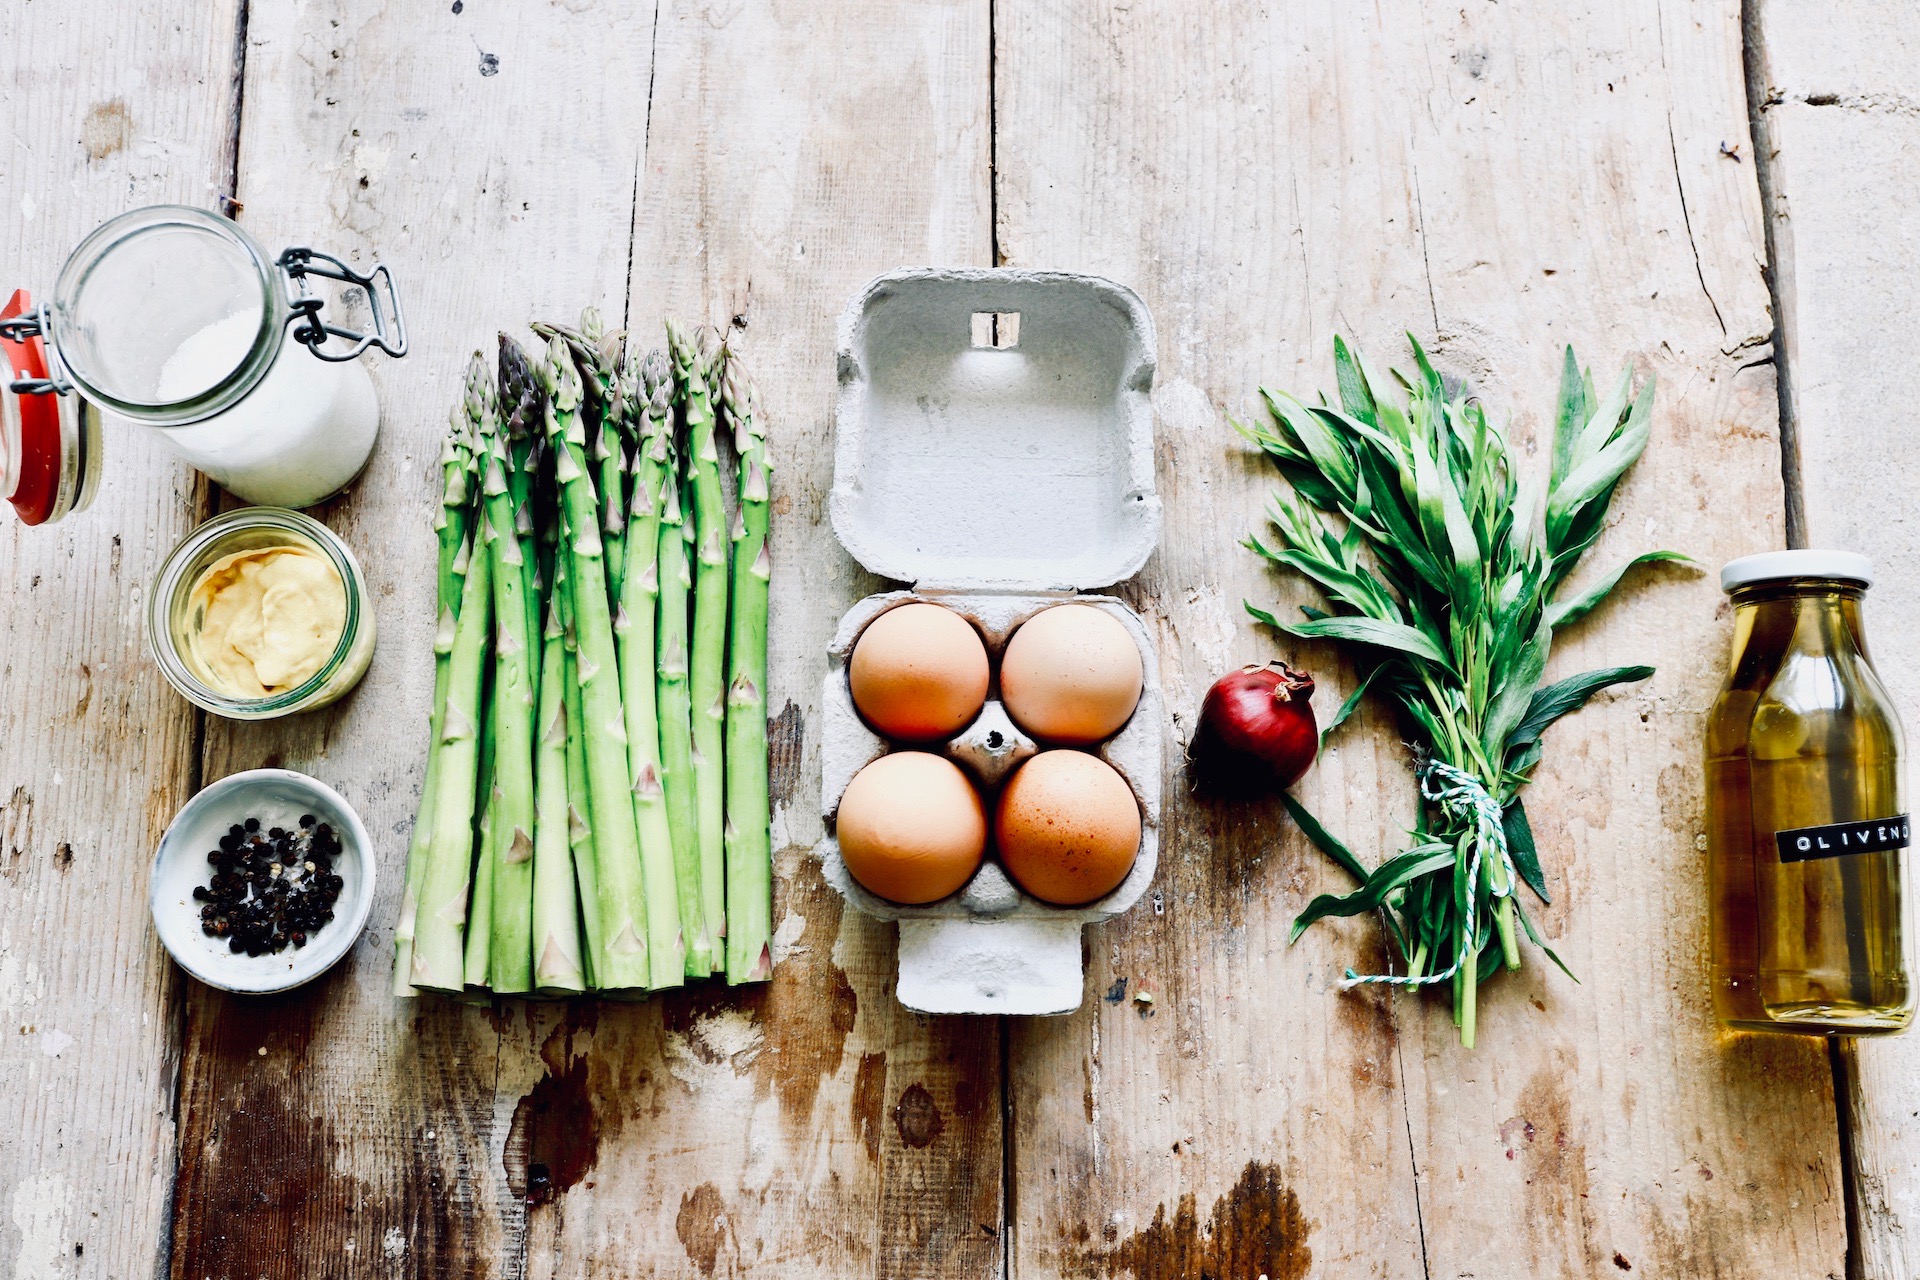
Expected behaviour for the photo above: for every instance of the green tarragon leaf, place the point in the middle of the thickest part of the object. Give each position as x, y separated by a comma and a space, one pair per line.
1591, 475
1324, 840
1564, 612
1348, 705
1571, 417
1520, 846
1392, 874
1563, 696
1374, 631
1356, 397
1513, 693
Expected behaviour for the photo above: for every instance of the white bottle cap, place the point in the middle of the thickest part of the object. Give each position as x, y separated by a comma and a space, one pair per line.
1768, 565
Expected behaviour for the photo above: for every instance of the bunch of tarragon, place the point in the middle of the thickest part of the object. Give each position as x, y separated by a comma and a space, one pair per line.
1446, 577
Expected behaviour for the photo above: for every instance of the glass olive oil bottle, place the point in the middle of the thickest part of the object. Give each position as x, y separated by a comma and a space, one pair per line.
1806, 824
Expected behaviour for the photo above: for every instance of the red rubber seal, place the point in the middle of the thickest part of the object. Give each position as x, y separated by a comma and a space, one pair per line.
35, 466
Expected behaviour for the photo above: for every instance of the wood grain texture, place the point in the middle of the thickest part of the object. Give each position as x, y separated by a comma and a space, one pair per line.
490, 162
1501, 182
811, 1127
108, 107
1839, 104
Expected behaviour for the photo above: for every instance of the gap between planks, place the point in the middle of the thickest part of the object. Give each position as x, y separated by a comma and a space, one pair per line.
1773, 212
1754, 64
205, 501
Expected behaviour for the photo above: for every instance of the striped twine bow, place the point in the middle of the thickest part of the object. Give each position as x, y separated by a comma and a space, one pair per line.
1460, 794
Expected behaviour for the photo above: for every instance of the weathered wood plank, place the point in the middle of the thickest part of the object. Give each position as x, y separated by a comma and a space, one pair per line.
491, 162
813, 1128
1839, 106
1502, 182
108, 107
705, 1130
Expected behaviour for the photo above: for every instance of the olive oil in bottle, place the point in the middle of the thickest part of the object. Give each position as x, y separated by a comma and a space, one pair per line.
1806, 825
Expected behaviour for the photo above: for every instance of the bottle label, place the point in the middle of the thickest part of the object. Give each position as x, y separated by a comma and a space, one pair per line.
1877, 835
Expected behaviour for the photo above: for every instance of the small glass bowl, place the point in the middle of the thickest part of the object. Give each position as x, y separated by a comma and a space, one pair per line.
170, 609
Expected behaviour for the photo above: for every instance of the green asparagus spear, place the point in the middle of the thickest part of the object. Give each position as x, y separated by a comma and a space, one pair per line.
598, 354
437, 943
479, 934
610, 451
749, 839
616, 842
450, 526
479, 939
510, 961
579, 830
668, 860
693, 367
521, 424
672, 708
556, 914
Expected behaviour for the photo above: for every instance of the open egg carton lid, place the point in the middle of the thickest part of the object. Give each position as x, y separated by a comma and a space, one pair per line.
994, 447
994, 430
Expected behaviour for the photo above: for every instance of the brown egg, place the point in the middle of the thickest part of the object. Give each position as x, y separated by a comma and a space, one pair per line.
1071, 674
919, 673
911, 827
1068, 827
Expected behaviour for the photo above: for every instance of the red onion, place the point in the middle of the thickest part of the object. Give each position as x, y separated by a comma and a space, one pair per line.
1256, 724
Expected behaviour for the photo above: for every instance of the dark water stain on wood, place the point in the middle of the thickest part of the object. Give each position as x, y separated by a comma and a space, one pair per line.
966, 1098
786, 745
808, 1009
499, 1016
869, 1097
702, 1226
555, 1125
1366, 1019
684, 1009
258, 1163
1255, 1229
941, 1206
917, 1117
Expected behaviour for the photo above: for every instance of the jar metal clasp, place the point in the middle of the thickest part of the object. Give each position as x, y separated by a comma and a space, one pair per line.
35, 324
304, 306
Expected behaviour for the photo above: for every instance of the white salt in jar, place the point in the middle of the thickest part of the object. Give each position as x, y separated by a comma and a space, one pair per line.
176, 319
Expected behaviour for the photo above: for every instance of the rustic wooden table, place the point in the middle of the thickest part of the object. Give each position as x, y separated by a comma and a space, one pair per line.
1500, 179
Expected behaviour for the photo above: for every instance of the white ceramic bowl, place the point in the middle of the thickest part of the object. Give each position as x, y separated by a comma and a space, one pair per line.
277, 797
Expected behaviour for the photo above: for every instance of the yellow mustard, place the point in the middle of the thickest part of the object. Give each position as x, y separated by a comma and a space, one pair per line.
264, 621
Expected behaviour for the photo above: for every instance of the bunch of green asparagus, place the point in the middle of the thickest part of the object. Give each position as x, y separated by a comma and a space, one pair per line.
595, 814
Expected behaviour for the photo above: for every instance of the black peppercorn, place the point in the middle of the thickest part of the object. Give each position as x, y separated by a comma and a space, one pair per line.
271, 890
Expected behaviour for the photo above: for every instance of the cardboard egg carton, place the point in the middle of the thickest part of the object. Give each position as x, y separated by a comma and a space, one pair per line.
994, 448
989, 750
